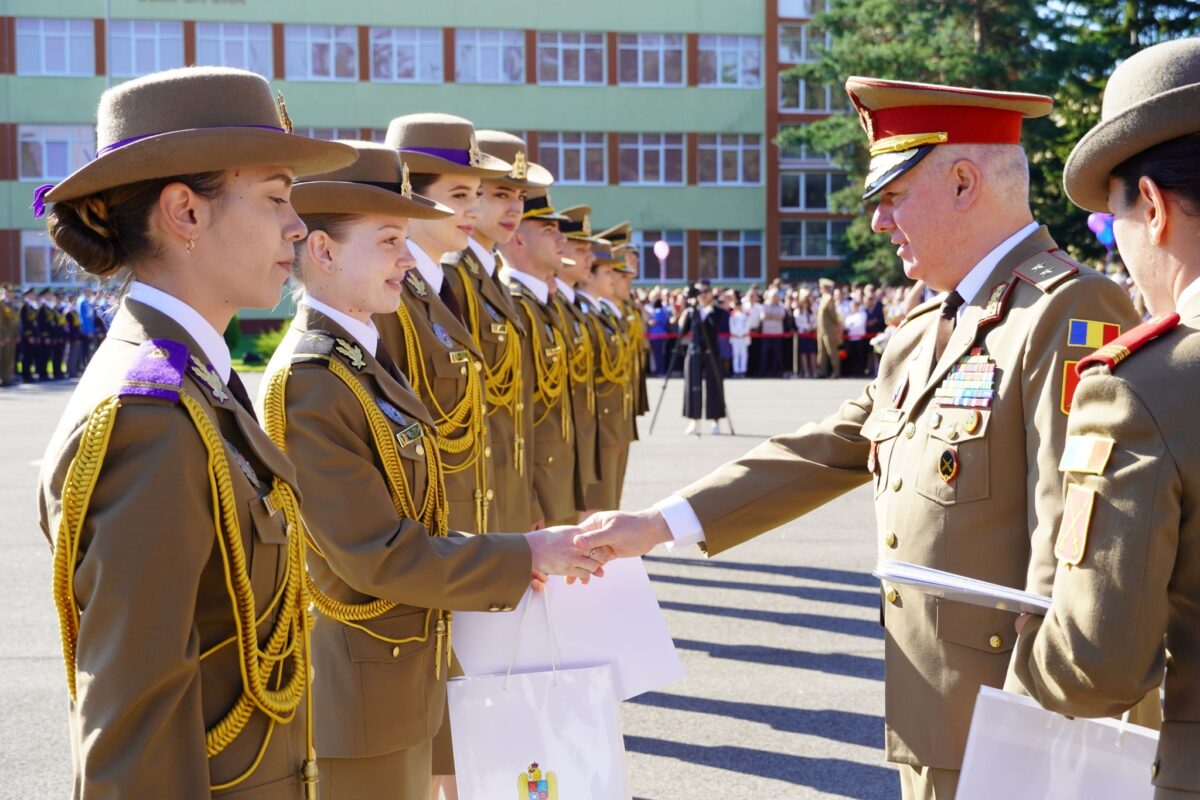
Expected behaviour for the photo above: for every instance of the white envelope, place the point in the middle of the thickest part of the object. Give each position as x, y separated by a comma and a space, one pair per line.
613, 620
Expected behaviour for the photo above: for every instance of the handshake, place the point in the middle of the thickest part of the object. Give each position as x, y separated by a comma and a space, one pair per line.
580, 552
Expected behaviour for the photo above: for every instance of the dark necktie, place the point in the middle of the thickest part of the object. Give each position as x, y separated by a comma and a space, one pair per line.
385, 360
238, 389
945, 325
450, 300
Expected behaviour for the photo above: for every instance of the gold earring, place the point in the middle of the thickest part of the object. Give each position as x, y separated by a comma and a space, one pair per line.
191, 245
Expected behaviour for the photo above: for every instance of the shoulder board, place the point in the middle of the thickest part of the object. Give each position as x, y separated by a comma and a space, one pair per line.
450, 259
1127, 343
1047, 270
157, 371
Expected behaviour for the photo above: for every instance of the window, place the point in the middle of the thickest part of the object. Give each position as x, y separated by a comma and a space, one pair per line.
651, 158
489, 56
377, 135
406, 55
801, 43
42, 263
809, 191
812, 238
650, 59
137, 48
731, 255
320, 53
729, 158
800, 153
52, 152
730, 61
570, 58
56, 47
329, 134
799, 95
574, 158
232, 44
674, 268
791, 9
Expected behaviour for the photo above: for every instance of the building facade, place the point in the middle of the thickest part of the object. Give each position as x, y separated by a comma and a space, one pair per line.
661, 112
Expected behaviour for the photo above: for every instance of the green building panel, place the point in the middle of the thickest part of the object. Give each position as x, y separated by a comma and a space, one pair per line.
50, 101
669, 207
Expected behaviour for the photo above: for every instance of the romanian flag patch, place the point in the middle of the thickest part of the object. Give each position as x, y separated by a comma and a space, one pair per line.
1087, 455
1073, 533
1070, 381
1091, 334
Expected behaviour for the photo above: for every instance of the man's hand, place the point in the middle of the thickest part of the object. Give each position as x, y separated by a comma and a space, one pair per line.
555, 553
619, 534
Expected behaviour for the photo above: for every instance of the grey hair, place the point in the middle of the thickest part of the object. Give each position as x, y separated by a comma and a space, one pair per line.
1005, 167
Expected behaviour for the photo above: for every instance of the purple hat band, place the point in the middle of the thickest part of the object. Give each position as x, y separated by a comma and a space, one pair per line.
39, 194
460, 157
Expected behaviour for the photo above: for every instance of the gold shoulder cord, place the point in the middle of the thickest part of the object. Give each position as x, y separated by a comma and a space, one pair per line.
468, 419
260, 665
581, 365
503, 382
614, 367
433, 513
550, 366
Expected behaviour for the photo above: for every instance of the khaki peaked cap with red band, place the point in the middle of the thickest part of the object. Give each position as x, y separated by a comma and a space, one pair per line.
377, 183
904, 121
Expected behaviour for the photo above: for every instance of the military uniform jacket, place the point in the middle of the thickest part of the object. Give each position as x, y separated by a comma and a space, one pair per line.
30, 331
448, 356
829, 325
613, 409
151, 583
1129, 552
961, 489
499, 322
372, 696
577, 333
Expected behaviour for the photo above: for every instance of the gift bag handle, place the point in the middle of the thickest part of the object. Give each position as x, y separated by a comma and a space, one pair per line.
549, 634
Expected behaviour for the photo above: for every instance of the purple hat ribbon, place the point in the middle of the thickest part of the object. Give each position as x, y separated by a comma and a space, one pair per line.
39, 200
460, 157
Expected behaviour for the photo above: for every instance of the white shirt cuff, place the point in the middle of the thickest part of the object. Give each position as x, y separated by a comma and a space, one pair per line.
681, 519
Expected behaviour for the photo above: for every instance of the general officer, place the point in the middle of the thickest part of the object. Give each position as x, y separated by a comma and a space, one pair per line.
962, 431
178, 552
1126, 601
388, 570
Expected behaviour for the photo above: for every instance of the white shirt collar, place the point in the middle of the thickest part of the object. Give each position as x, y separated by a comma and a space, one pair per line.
567, 291
1189, 291
205, 335
366, 335
969, 286
429, 269
486, 257
616, 309
592, 302
536, 285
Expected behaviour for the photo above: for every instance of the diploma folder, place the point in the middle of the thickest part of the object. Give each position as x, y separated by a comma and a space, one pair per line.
960, 588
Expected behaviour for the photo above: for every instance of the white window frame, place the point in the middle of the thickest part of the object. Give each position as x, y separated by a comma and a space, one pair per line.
638, 45
802, 98
165, 36
587, 45
329, 134
830, 235
801, 9
804, 157
581, 143
741, 240
423, 43
246, 37
805, 176
78, 42
56, 269
807, 52
301, 39
654, 141
493, 45
725, 143
644, 242
79, 140
736, 48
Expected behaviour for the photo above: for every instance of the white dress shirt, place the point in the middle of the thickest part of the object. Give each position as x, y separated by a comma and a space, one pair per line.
365, 333
592, 303
429, 269
970, 285
566, 291
205, 335
539, 287
486, 257
613, 307
1190, 290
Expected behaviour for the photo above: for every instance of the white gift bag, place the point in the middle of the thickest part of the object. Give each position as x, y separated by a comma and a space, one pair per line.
550, 735
1017, 749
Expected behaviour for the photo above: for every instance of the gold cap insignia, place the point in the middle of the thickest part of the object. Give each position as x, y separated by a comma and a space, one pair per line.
587, 224
520, 170
476, 158
285, 121
405, 183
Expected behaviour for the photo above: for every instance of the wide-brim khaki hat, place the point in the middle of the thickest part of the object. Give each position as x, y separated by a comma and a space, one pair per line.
1151, 98
377, 183
191, 120
442, 144
524, 174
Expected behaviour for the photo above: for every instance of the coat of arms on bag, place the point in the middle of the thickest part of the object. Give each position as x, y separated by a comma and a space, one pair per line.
534, 784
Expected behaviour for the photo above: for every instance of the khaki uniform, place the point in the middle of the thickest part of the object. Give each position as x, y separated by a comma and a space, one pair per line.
829, 338
498, 330
376, 697
578, 335
447, 376
1128, 570
553, 441
10, 329
961, 489
613, 405
156, 663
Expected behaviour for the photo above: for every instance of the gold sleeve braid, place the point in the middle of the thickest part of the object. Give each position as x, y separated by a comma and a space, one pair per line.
260, 665
468, 419
503, 380
550, 367
433, 512
581, 365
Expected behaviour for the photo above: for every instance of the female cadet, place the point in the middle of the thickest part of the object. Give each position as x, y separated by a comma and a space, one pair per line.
178, 568
375, 505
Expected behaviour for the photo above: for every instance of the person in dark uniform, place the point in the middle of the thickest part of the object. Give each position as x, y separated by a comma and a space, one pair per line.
704, 387
50, 329
29, 350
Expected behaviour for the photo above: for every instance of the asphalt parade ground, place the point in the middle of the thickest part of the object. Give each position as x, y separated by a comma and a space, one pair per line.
780, 637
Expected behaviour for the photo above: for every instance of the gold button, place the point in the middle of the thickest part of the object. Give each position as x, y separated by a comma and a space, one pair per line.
494, 607
892, 596
396, 651
1154, 769
520, 405
487, 452
896, 484
890, 539
909, 430
420, 450
953, 435
507, 608
549, 459
478, 366
462, 370
935, 419
490, 494
996, 642
606, 411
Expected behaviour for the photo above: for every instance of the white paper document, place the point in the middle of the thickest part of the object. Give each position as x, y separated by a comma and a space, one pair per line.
613, 620
960, 588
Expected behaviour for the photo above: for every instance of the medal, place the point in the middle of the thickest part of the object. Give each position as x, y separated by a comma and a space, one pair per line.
391, 412
442, 336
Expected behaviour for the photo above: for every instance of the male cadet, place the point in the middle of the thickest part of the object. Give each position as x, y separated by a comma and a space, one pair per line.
10, 330
624, 273
612, 380
581, 347
531, 259
496, 324
829, 333
54, 338
31, 349
1127, 587
617, 303
962, 431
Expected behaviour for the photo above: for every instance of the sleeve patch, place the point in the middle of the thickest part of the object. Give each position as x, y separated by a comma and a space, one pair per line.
1073, 533
1070, 381
1087, 455
1090, 333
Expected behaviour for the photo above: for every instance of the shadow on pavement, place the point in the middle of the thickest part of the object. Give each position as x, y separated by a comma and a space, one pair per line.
867, 629
808, 573
839, 726
864, 599
832, 663
835, 776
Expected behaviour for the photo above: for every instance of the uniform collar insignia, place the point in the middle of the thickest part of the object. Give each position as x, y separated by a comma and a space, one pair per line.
391, 412
244, 464
352, 352
209, 377
417, 283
